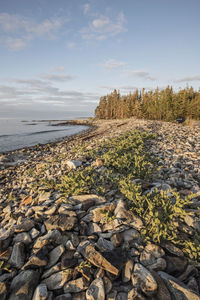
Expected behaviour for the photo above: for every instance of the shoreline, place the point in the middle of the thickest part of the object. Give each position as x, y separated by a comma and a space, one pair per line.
51, 224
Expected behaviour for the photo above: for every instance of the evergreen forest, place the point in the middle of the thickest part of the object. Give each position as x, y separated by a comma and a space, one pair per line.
166, 104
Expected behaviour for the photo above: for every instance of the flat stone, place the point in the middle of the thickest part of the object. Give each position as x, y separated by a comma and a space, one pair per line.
172, 249
96, 290
178, 289
57, 280
44, 196
61, 222
82, 198
41, 292
17, 257
54, 255
23, 285
73, 164
53, 236
25, 225
143, 279
88, 251
77, 285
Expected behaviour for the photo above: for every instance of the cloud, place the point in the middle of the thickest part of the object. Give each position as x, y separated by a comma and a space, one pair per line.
113, 64
139, 73
18, 30
86, 8
71, 45
188, 78
57, 77
103, 27
15, 44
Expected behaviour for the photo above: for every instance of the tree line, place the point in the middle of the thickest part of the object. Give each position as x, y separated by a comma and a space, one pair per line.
166, 104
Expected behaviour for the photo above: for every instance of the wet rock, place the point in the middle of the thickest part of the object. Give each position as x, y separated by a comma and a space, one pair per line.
143, 279
23, 285
96, 290
41, 292
61, 222
17, 257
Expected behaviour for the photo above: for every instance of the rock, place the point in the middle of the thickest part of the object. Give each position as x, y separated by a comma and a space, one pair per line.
96, 290
150, 254
44, 196
37, 260
73, 164
127, 216
3, 291
23, 237
107, 284
104, 244
112, 295
23, 285
61, 222
84, 198
175, 265
93, 228
5, 255
77, 285
127, 271
79, 296
34, 233
135, 294
26, 225
98, 214
189, 271
5, 234
159, 265
57, 280
130, 234
193, 285
117, 239
54, 255
67, 296
41, 292
95, 257
17, 257
121, 296
172, 249
162, 292
53, 236
178, 289
143, 279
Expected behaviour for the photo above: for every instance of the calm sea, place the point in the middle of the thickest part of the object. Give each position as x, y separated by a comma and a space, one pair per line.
16, 134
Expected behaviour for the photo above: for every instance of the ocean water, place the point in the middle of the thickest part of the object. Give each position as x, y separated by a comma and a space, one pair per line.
16, 133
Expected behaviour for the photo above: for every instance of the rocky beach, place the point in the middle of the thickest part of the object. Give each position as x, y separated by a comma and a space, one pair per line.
90, 245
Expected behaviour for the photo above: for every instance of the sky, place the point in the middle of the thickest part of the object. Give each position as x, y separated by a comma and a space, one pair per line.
57, 58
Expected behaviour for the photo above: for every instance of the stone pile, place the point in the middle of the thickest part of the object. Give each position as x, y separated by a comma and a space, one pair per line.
90, 247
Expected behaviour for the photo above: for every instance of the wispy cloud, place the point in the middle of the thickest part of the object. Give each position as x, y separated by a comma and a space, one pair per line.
188, 78
139, 73
103, 27
57, 77
86, 8
18, 31
113, 64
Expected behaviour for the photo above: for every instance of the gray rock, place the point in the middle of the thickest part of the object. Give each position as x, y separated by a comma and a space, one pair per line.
57, 280
130, 234
104, 244
23, 285
25, 225
135, 294
34, 233
61, 222
77, 285
37, 260
73, 164
23, 237
17, 257
178, 289
41, 292
143, 279
96, 290
150, 254
54, 255
67, 296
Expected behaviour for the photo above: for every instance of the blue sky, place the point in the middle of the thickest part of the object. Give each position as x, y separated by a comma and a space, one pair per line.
58, 57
